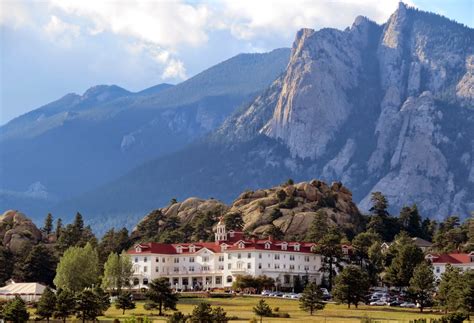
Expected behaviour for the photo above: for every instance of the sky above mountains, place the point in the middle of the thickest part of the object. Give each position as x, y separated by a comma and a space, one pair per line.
51, 47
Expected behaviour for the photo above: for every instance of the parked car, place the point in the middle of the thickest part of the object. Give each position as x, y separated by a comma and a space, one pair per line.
378, 303
408, 305
276, 294
266, 293
296, 296
395, 303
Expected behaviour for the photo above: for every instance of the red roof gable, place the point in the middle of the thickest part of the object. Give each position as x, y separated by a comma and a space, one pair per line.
451, 258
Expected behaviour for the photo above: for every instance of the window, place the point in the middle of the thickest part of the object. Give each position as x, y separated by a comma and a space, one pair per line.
297, 247
277, 257
145, 269
205, 268
157, 259
292, 257
437, 270
292, 266
223, 247
249, 265
136, 259
179, 249
241, 245
136, 281
239, 256
229, 279
267, 245
284, 266
192, 249
191, 268
306, 258
157, 269
145, 281
259, 256
229, 266
218, 280
176, 260
306, 268
191, 259
268, 265
221, 258
277, 266
205, 259
176, 269
239, 265
229, 256
163, 259
249, 255
283, 246
259, 266
221, 267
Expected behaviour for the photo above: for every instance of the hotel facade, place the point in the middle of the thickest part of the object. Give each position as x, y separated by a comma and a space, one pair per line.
209, 265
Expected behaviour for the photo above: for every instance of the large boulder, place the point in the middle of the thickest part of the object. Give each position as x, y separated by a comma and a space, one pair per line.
17, 232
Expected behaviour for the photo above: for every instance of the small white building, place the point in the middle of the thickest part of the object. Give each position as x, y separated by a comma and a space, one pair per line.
29, 292
207, 265
464, 261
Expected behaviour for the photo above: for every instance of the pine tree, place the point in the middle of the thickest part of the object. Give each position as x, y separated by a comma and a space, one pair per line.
48, 224
262, 309
234, 221
39, 265
330, 249
15, 311
201, 313
422, 284
46, 305
59, 228
450, 290
125, 302
88, 306
312, 298
352, 285
319, 227
161, 295
65, 304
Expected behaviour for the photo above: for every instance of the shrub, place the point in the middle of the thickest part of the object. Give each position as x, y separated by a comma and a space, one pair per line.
276, 309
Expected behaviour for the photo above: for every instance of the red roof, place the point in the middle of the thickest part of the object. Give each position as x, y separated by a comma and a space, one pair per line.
451, 258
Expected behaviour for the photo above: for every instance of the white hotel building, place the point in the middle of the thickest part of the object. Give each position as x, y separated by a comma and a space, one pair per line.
207, 265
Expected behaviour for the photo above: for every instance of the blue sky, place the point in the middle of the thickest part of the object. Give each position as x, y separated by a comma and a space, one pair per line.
49, 48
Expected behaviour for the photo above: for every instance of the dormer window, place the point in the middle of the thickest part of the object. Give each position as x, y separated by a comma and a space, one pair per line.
223, 247
267, 245
192, 249
296, 247
179, 249
138, 249
231, 233
284, 246
241, 245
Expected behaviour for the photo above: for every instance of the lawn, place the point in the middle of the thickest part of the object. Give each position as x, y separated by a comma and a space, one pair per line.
241, 307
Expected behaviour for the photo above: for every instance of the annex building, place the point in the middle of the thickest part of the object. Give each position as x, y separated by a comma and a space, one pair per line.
208, 265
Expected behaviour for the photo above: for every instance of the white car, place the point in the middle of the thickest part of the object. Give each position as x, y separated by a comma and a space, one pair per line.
296, 296
266, 293
378, 303
408, 305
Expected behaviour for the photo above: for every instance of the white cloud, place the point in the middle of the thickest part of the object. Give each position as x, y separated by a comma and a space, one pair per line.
61, 32
14, 14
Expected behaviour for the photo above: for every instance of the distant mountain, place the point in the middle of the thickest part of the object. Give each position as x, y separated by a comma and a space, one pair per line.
379, 107
79, 142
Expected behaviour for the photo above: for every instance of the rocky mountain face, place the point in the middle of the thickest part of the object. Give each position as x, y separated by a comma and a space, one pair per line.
79, 142
382, 108
289, 207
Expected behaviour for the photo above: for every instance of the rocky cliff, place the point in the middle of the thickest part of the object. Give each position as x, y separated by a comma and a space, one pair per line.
382, 108
17, 232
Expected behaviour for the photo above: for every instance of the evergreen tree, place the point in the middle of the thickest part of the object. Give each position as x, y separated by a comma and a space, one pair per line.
406, 257
422, 284
113, 242
330, 249
233, 221
6, 265
46, 305
451, 235
262, 309
202, 313
177, 317
88, 305
149, 227
65, 305
161, 295
75, 235
125, 302
380, 221
351, 286
470, 246
39, 265
275, 232
219, 315
48, 224
319, 227
410, 220
450, 289
15, 311
59, 228
312, 298
78, 269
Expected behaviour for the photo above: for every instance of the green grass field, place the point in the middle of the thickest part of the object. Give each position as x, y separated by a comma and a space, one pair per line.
241, 307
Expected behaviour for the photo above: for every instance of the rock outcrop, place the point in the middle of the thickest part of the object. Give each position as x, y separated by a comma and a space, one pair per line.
17, 232
296, 206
